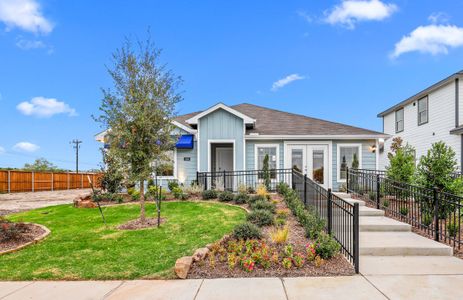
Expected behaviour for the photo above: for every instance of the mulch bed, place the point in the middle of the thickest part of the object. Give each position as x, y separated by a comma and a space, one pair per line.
28, 233
336, 266
138, 224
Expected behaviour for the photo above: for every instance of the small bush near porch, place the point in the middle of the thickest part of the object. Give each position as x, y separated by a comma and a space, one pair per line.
81, 247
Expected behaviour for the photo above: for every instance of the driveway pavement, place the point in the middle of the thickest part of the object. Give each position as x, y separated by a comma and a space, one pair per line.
350, 287
25, 201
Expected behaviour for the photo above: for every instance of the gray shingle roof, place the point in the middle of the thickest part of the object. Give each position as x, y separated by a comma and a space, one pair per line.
275, 122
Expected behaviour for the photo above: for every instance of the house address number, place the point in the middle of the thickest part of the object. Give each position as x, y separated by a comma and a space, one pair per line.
186, 158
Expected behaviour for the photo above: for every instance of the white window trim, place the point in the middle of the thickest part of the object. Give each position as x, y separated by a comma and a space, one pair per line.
403, 120
229, 141
257, 146
426, 99
338, 162
175, 168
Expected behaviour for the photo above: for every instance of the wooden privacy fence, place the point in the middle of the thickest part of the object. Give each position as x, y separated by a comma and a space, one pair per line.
26, 181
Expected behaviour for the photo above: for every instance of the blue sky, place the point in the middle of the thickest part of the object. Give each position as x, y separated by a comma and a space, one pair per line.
343, 61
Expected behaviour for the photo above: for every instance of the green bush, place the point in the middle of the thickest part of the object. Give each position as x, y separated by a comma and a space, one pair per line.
453, 228
135, 195
401, 162
404, 211
260, 217
99, 196
251, 190
263, 205
209, 194
241, 198
172, 184
386, 203
326, 246
246, 231
255, 198
427, 219
226, 196
282, 188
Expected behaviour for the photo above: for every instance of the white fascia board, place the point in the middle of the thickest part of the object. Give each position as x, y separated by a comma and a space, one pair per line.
183, 127
246, 119
315, 137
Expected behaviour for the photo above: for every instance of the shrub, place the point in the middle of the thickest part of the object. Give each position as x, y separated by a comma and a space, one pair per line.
251, 190
255, 198
326, 246
260, 217
241, 198
226, 196
242, 189
266, 172
98, 196
386, 203
172, 184
135, 195
11, 231
209, 194
280, 221
263, 205
262, 190
404, 211
427, 219
401, 162
287, 263
282, 188
453, 228
279, 236
177, 191
246, 231
194, 189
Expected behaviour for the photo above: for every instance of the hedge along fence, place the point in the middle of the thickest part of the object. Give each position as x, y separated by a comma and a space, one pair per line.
26, 181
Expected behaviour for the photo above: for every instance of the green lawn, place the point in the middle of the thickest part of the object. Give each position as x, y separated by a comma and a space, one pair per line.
81, 247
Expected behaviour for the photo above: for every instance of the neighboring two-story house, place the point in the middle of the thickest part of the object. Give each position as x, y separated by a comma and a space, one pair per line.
238, 137
432, 115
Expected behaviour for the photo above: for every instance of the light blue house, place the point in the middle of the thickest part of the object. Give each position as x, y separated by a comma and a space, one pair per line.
236, 138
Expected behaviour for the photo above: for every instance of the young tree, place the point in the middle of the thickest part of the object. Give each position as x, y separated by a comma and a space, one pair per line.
113, 175
401, 162
266, 172
139, 111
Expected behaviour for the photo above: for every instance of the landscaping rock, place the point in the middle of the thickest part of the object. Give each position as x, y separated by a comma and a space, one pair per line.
84, 201
200, 254
182, 266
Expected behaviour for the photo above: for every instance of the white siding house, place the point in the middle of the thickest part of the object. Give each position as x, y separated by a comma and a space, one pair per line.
434, 114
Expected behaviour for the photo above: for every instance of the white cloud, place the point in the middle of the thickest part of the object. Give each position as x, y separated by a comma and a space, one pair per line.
285, 81
2, 150
439, 17
433, 39
303, 14
28, 44
26, 147
45, 107
350, 12
24, 14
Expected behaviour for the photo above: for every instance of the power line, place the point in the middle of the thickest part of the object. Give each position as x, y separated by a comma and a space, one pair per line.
76, 146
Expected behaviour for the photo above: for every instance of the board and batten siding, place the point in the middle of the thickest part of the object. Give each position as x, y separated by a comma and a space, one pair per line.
441, 120
187, 164
251, 153
221, 125
368, 158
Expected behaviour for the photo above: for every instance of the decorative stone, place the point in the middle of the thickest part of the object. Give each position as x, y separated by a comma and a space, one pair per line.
200, 254
209, 246
182, 266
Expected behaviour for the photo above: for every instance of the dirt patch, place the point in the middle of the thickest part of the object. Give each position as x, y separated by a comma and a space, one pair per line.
138, 224
26, 233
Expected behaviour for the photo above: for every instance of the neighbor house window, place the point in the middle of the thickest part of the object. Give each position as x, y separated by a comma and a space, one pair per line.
349, 156
165, 167
399, 120
423, 111
272, 152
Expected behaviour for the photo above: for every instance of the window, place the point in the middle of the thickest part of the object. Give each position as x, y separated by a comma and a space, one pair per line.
349, 156
272, 152
166, 166
423, 111
399, 120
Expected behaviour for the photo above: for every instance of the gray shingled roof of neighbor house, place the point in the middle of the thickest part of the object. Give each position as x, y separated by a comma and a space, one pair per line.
275, 122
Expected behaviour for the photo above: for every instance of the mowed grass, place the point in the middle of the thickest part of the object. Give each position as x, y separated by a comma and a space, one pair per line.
81, 247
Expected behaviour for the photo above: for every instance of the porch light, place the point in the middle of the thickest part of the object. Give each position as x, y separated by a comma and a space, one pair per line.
372, 148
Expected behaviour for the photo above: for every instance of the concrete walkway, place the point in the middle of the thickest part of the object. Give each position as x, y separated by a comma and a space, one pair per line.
351, 287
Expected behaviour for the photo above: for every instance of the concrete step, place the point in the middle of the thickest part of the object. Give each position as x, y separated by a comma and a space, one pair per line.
352, 201
400, 244
366, 211
382, 224
411, 265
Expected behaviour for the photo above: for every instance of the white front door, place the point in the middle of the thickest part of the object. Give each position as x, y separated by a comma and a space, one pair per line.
224, 159
311, 160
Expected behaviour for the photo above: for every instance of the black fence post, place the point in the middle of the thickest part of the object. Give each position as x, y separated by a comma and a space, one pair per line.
293, 184
356, 236
305, 189
224, 181
197, 177
347, 180
330, 211
436, 213
378, 194
205, 180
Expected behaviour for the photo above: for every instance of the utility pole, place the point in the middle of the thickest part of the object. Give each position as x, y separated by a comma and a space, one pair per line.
76, 146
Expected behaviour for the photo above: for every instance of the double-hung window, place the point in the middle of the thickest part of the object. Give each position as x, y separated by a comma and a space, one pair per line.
399, 120
165, 167
423, 110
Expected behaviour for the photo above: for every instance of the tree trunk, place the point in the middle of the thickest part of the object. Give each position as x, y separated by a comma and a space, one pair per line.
142, 201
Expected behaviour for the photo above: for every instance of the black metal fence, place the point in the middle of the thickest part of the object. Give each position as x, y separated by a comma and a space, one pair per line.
342, 217
435, 213
232, 180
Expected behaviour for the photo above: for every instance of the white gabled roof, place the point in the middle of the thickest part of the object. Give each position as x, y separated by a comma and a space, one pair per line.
247, 119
